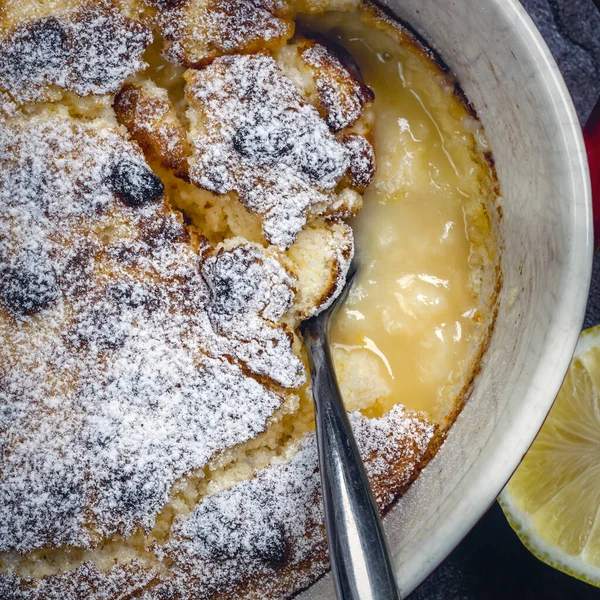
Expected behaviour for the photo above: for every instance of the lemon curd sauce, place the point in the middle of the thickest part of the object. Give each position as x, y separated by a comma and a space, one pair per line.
414, 324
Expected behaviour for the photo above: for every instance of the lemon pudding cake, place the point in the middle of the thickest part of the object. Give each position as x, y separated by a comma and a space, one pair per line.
181, 184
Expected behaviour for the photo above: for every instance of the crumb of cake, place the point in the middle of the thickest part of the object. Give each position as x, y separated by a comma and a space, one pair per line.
362, 377
347, 203
320, 258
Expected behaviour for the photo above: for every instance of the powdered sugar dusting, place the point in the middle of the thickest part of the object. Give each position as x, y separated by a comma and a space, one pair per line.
249, 293
256, 136
263, 538
120, 369
341, 94
88, 51
362, 160
246, 534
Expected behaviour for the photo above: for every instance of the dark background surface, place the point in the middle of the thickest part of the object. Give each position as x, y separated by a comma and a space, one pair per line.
491, 563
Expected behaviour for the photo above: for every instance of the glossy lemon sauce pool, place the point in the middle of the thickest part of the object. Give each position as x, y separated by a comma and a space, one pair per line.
415, 318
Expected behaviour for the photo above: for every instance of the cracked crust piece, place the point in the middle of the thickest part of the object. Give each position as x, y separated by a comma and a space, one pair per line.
329, 79
150, 117
253, 133
198, 31
342, 94
82, 47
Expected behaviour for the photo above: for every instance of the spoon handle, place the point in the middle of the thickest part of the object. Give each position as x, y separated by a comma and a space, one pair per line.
360, 560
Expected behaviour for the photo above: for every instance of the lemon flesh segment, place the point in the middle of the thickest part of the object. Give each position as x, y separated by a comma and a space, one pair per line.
553, 499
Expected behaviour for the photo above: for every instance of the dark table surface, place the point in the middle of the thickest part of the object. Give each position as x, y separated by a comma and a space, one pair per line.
491, 563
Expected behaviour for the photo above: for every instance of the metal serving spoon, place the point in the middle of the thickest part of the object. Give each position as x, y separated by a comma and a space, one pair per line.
360, 559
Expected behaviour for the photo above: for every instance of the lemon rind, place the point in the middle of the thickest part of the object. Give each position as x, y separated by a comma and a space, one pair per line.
520, 522
590, 338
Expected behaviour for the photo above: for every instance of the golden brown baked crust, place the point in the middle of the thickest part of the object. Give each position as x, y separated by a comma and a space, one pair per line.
140, 362
198, 31
87, 47
150, 117
341, 91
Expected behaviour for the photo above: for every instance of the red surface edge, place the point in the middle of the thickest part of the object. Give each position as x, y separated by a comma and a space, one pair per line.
591, 134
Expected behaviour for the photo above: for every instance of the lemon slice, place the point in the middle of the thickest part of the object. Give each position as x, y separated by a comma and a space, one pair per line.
553, 499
